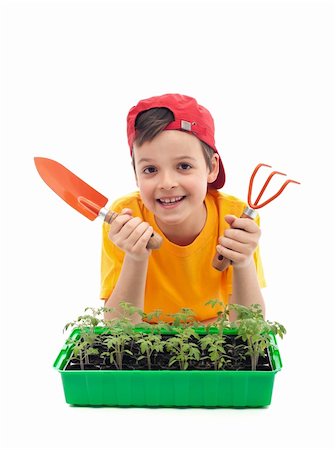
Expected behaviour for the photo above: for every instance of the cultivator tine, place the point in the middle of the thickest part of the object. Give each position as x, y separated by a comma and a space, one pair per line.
276, 194
275, 172
256, 204
249, 195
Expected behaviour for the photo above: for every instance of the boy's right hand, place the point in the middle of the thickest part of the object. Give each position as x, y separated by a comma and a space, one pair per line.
131, 235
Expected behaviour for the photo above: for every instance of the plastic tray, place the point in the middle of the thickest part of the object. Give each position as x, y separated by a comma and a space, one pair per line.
194, 388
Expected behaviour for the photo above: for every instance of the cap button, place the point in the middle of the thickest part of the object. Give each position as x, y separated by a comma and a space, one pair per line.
185, 125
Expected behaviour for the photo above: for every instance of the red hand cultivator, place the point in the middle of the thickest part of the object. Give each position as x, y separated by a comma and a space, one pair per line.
220, 262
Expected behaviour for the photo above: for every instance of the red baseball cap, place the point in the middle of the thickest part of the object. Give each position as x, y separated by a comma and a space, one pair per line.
188, 116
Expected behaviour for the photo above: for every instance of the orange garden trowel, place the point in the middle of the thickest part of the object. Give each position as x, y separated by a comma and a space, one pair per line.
79, 194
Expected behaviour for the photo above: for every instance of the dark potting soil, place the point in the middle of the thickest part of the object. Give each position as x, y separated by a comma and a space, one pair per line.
235, 358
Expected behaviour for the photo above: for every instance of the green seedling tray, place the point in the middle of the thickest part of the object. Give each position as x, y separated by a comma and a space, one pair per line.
166, 388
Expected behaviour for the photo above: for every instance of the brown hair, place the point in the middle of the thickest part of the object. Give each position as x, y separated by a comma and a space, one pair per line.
150, 123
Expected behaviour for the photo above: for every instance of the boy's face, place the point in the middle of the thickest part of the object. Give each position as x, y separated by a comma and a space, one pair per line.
172, 176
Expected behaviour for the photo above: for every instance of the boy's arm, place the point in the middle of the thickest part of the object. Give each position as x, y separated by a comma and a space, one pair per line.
245, 290
245, 287
131, 235
130, 286
238, 244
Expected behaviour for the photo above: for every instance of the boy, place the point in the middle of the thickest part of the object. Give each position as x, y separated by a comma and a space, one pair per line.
178, 172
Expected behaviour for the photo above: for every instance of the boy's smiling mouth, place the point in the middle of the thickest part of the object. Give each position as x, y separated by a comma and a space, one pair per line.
170, 202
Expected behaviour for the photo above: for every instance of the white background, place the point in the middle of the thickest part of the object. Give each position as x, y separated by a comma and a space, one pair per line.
71, 71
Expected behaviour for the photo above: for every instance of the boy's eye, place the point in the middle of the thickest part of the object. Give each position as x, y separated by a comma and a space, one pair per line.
150, 169
185, 166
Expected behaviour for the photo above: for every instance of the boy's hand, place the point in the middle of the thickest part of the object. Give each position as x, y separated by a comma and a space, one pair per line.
240, 241
131, 235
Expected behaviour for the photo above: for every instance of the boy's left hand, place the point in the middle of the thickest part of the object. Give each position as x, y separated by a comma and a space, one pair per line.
240, 241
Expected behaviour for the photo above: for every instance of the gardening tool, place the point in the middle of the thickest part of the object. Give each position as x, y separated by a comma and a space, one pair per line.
220, 262
79, 194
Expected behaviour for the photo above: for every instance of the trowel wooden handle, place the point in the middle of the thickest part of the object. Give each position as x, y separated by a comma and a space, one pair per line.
220, 262
154, 242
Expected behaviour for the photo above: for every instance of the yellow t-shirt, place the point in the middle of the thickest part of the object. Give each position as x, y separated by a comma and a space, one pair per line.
179, 276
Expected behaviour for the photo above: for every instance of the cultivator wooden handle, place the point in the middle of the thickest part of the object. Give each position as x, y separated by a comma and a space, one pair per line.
220, 262
154, 242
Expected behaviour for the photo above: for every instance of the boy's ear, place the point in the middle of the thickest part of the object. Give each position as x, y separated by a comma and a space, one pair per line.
213, 174
136, 178
135, 175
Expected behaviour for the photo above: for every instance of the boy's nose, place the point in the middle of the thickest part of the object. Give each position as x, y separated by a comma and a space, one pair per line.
167, 181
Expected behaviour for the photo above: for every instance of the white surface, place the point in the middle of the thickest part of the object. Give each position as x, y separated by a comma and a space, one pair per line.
72, 71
